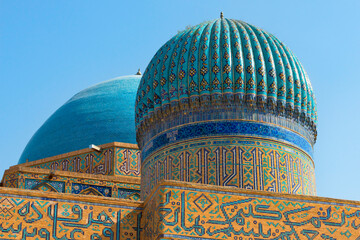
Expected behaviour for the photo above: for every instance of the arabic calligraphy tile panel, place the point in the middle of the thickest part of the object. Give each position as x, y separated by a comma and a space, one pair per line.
127, 162
93, 163
248, 163
41, 218
205, 212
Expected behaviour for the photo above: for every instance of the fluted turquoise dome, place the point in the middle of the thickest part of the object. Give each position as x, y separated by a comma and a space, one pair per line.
224, 63
228, 104
97, 115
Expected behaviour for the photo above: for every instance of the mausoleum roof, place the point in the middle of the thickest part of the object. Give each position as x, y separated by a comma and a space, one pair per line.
97, 115
225, 62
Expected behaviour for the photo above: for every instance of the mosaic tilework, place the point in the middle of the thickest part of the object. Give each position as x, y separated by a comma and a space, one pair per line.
74, 185
119, 161
232, 115
218, 128
24, 217
127, 162
45, 185
232, 161
78, 188
129, 194
11, 180
93, 163
193, 211
220, 63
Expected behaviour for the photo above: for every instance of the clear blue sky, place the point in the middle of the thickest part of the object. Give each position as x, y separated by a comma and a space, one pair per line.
50, 50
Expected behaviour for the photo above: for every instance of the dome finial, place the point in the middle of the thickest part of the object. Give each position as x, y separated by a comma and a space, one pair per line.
138, 72
221, 15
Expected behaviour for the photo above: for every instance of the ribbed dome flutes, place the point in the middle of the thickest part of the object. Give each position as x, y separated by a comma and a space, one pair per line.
224, 63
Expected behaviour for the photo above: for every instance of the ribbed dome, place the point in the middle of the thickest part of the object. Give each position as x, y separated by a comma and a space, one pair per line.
226, 62
100, 114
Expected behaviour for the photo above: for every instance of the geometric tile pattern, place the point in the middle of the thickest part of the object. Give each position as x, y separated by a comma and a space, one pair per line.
6, 207
227, 128
248, 163
32, 218
45, 185
75, 185
11, 180
129, 194
87, 189
197, 211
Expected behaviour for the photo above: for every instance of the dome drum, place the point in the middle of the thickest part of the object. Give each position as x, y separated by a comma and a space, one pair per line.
261, 104
182, 113
245, 154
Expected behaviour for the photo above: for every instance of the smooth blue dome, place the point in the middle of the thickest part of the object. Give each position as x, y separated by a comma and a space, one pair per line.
97, 115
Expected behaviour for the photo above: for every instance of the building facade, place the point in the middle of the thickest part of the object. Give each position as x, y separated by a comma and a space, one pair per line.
214, 141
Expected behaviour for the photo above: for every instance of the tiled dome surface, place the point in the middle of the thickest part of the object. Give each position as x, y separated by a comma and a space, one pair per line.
224, 62
97, 115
